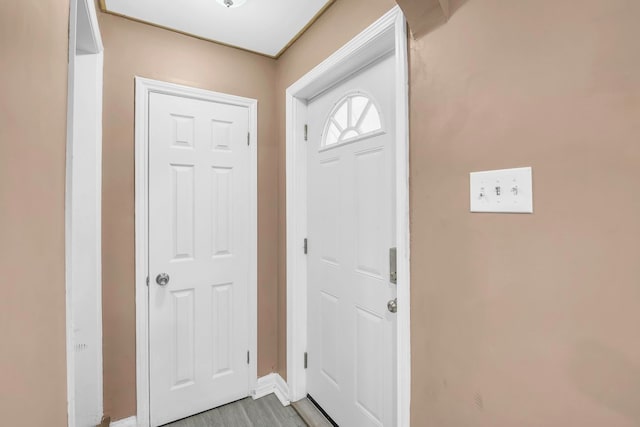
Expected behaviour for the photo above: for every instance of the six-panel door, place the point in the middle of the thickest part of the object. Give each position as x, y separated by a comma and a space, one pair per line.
198, 236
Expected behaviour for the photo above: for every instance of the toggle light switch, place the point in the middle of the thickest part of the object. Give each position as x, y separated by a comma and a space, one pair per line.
504, 190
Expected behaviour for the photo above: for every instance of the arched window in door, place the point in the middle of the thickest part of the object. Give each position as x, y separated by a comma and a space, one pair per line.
354, 117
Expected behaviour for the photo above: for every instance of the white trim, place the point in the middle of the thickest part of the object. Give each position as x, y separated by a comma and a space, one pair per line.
83, 228
388, 34
127, 422
272, 383
143, 87
403, 225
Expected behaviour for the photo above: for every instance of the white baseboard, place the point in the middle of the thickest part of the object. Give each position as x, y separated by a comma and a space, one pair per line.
127, 422
272, 383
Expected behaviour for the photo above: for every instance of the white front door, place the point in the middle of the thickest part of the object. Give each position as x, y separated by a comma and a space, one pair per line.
199, 238
351, 216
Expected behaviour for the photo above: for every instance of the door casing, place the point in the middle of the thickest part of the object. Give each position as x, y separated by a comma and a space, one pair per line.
143, 87
388, 34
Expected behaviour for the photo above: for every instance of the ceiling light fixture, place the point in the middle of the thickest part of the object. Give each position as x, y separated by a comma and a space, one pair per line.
231, 3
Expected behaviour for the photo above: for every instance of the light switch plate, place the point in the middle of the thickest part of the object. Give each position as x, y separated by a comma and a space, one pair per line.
504, 190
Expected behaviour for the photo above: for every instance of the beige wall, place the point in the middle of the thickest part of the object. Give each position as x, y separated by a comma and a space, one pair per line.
33, 103
518, 320
527, 320
137, 49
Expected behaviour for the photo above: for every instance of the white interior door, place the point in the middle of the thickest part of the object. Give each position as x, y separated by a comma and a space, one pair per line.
199, 206
351, 217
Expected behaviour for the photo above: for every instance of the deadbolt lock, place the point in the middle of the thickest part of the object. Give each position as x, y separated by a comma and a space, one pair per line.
393, 265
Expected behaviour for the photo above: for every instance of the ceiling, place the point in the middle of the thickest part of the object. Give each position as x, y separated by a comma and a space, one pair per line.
263, 26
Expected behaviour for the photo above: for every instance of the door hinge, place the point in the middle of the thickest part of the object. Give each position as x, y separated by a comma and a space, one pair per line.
147, 280
306, 132
248, 358
306, 246
248, 138
393, 265
306, 360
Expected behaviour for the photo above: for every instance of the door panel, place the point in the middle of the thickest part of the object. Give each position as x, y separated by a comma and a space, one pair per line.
182, 211
221, 227
369, 381
370, 214
222, 329
183, 337
351, 222
199, 236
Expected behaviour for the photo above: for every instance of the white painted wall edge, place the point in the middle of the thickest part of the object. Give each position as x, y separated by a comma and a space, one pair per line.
83, 229
71, 378
272, 383
127, 422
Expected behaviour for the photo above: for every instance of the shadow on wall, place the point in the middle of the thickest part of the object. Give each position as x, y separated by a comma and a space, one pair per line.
607, 377
424, 16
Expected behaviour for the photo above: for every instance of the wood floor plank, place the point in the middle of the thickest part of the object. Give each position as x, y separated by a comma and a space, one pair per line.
310, 414
264, 412
287, 415
259, 413
234, 415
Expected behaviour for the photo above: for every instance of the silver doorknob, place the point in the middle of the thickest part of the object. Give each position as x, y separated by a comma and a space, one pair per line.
392, 305
162, 279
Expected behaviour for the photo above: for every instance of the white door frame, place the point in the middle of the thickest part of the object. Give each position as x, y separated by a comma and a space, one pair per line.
144, 87
83, 227
386, 35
